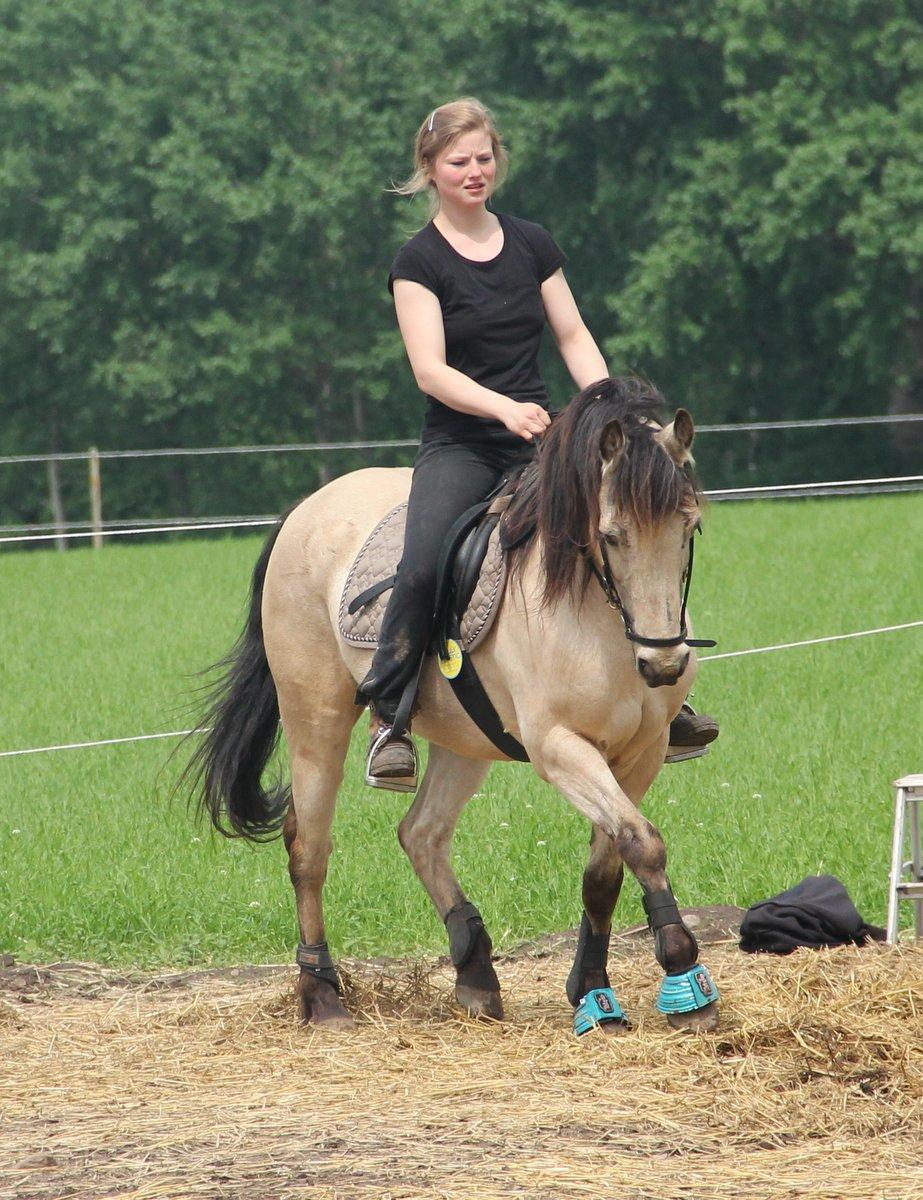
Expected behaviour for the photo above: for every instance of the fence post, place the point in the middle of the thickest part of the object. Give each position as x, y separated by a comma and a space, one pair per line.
96, 498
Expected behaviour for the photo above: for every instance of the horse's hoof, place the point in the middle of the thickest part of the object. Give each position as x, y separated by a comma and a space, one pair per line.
701, 1020
335, 1022
478, 1003
321, 1005
612, 1029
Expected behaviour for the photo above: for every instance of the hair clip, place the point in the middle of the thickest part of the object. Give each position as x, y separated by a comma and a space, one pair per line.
432, 117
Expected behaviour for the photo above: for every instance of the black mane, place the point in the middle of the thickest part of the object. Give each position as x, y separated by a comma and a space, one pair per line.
558, 497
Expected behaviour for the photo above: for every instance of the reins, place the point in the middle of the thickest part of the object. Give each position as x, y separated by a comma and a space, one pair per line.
613, 599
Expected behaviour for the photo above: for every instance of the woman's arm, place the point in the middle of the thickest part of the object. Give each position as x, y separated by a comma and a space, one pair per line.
578, 349
420, 320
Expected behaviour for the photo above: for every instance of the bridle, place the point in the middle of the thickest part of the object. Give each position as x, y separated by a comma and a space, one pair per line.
607, 583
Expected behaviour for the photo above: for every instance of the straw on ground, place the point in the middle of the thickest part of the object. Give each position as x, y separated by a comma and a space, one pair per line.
813, 1087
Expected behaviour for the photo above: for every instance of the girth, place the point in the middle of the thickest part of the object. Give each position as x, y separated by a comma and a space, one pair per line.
459, 566
464, 679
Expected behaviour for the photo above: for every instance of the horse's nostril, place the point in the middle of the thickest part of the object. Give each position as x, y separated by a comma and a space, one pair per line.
657, 676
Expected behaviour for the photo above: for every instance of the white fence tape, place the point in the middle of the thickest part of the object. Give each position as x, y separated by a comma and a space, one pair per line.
836, 637
140, 737
776, 491
247, 523
150, 737
320, 447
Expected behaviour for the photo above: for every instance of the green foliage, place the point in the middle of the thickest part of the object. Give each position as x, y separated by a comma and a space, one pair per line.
785, 256
195, 228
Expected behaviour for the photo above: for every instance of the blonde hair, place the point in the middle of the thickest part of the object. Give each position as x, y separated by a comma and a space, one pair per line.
440, 129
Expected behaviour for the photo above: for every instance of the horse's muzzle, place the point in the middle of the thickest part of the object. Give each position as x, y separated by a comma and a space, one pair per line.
659, 670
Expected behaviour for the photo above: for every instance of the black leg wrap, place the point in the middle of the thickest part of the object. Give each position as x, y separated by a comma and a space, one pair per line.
317, 961
661, 909
464, 924
592, 955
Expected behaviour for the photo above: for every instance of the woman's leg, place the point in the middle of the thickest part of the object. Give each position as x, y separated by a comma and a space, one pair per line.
448, 478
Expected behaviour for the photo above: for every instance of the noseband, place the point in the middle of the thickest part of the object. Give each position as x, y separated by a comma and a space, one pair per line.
607, 583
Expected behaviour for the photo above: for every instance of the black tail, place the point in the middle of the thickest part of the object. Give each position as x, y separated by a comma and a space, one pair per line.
241, 729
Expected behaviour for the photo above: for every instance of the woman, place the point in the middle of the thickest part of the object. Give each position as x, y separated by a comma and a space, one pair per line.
472, 290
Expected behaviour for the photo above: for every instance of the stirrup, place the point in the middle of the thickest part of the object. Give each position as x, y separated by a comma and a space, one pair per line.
396, 783
682, 753
599, 1007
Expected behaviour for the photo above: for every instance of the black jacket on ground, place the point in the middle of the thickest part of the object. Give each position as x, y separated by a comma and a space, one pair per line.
816, 912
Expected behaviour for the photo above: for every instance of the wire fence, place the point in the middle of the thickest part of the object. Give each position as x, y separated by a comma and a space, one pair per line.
321, 447
180, 733
782, 491
65, 532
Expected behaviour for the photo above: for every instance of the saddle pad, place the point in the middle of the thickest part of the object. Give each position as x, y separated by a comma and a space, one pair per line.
378, 559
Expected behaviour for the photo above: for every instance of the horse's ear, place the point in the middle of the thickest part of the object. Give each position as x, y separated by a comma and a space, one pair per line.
676, 438
611, 444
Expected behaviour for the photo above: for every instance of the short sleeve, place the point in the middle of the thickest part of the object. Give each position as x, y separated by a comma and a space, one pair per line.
548, 254
410, 264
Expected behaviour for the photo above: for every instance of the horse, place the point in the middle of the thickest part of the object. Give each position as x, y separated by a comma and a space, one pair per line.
610, 498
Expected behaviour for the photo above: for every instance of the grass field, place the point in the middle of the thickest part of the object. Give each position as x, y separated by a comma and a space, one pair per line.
95, 863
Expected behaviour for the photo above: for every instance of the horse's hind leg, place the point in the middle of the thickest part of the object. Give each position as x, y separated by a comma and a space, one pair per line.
426, 836
318, 740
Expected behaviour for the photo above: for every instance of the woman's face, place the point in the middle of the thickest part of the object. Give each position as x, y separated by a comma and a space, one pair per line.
464, 172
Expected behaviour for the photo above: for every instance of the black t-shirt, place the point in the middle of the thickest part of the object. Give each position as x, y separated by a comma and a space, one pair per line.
493, 317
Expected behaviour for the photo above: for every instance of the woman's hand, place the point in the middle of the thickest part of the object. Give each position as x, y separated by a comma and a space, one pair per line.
525, 419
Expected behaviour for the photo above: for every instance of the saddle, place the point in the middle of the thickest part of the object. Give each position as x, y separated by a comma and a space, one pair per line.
477, 579
470, 579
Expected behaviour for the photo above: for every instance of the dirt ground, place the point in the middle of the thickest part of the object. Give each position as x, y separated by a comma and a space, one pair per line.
203, 1084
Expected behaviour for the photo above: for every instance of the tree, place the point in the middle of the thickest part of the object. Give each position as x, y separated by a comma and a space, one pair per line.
195, 229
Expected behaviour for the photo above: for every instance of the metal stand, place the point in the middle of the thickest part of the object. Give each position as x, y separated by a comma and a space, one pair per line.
909, 798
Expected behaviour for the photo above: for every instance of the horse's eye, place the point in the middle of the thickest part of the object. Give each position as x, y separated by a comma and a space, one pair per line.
612, 537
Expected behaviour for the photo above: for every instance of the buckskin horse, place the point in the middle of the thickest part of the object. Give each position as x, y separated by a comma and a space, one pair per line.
587, 663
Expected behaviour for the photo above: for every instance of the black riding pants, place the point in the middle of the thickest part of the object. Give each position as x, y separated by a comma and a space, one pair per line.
448, 478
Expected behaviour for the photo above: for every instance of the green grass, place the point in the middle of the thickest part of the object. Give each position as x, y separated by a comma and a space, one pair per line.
96, 863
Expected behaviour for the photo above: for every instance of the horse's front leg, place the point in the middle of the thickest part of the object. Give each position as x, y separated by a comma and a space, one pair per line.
602, 882
579, 771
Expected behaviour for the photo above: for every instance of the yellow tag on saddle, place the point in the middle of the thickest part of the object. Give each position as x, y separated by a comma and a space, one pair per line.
451, 665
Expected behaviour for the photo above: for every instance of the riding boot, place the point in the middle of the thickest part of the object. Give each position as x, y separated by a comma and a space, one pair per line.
690, 734
391, 762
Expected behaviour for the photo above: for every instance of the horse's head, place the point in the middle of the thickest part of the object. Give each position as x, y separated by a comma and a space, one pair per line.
648, 515
612, 495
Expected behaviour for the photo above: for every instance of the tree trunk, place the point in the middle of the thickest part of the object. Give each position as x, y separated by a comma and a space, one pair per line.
907, 394
54, 490
322, 416
358, 416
